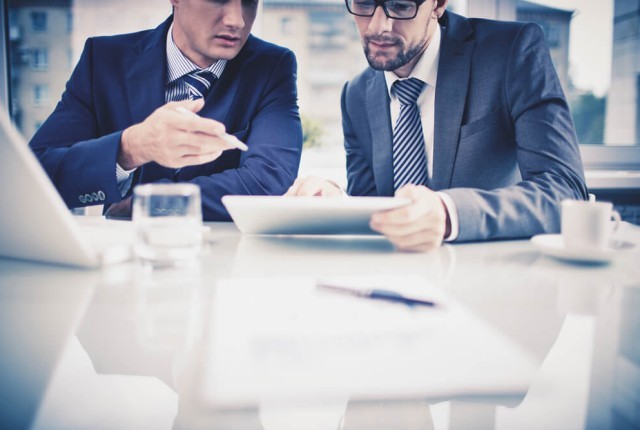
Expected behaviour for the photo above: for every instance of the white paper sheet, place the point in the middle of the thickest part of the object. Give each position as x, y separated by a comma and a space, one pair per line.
285, 340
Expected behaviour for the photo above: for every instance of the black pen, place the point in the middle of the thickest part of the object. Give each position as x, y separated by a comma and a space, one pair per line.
377, 294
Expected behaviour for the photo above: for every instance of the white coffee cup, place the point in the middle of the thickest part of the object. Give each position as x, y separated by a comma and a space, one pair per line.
587, 225
168, 222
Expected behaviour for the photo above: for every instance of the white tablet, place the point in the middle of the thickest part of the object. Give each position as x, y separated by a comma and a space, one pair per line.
306, 215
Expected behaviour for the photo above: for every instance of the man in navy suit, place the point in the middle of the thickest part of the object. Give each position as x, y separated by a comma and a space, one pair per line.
498, 138
119, 122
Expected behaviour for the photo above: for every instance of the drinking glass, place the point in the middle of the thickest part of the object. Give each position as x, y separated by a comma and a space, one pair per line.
168, 223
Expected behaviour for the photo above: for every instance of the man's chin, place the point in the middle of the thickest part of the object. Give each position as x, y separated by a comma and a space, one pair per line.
225, 52
382, 63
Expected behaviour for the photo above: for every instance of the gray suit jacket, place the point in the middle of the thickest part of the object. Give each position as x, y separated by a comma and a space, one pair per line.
505, 148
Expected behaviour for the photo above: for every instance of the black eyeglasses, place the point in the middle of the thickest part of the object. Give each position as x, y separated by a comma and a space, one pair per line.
394, 9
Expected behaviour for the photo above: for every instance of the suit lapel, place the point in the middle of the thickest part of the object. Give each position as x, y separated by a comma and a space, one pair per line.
145, 83
451, 91
220, 98
381, 133
147, 74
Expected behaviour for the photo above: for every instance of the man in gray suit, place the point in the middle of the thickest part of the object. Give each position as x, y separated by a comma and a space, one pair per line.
491, 150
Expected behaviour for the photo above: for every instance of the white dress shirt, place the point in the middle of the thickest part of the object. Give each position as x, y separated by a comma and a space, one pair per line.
426, 69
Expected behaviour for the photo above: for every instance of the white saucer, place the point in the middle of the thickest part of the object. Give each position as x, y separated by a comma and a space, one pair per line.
553, 245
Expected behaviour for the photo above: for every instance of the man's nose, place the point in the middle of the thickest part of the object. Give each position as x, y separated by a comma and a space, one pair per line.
233, 14
380, 23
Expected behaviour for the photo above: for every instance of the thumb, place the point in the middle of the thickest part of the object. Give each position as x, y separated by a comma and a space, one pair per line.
193, 105
406, 191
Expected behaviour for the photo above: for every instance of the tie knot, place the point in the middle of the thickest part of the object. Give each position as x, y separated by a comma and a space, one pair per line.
199, 83
408, 90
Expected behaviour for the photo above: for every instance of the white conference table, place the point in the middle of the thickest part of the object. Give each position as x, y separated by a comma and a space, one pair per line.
125, 348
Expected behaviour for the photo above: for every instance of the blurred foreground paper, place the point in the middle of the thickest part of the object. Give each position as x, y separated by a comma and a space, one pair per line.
285, 340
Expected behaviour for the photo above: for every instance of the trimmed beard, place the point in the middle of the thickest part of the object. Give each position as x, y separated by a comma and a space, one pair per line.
390, 64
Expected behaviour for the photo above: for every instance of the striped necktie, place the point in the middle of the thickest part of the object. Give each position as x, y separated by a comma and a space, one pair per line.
409, 152
199, 83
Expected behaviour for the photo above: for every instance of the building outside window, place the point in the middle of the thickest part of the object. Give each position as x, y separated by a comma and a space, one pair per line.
286, 25
40, 95
39, 21
39, 58
553, 36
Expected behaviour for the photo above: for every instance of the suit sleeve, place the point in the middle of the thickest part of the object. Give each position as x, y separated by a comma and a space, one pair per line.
271, 164
77, 159
546, 151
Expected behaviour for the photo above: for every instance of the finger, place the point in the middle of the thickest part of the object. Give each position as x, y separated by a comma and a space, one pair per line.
196, 143
404, 228
311, 187
191, 105
402, 215
293, 189
423, 240
411, 191
196, 160
193, 123
304, 187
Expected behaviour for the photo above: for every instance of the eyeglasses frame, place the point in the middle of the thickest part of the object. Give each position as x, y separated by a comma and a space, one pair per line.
381, 3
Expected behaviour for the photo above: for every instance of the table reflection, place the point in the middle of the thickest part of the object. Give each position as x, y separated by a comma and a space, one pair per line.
128, 348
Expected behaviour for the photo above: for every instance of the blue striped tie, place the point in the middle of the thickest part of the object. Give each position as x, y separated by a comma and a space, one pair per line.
199, 83
409, 152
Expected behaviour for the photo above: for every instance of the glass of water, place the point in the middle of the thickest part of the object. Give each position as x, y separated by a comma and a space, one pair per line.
168, 223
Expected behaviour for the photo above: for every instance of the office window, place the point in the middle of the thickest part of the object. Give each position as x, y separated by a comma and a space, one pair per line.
38, 21
40, 95
46, 38
39, 58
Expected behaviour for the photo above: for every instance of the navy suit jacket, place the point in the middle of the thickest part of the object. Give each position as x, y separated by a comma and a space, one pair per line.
505, 148
121, 80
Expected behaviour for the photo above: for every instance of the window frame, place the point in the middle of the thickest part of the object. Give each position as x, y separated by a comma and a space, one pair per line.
5, 89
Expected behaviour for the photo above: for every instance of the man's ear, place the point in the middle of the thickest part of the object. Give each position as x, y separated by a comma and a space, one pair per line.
441, 6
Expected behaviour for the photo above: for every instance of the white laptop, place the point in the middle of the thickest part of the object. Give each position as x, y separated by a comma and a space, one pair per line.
306, 215
35, 224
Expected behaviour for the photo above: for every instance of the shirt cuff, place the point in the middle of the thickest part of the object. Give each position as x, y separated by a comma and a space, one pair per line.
124, 179
121, 174
453, 216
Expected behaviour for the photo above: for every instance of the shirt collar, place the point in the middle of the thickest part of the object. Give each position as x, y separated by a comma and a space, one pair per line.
426, 69
178, 65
